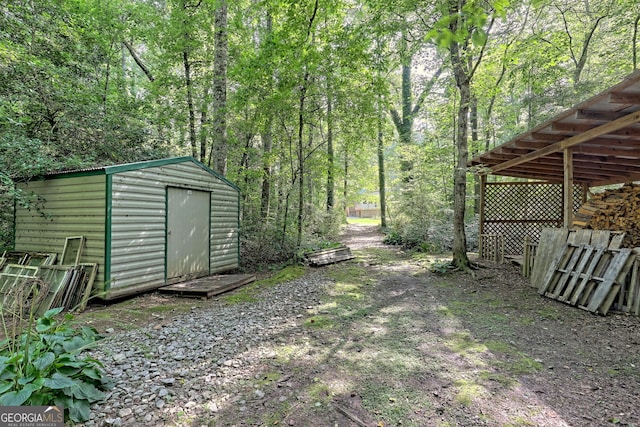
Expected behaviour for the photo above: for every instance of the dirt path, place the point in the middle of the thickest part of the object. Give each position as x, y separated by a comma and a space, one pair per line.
397, 345
393, 344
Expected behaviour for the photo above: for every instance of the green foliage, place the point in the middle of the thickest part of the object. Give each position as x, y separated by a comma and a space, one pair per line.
393, 237
441, 266
43, 366
264, 247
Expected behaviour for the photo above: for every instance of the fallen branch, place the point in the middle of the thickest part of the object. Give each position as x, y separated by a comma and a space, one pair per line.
350, 416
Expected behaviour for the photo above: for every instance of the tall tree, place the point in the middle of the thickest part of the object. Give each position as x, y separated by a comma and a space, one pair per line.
464, 31
219, 143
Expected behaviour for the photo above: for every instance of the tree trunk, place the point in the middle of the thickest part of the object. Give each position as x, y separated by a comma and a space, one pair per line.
301, 171
474, 150
218, 156
461, 74
330, 155
634, 45
265, 198
381, 177
267, 144
204, 127
345, 182
192, 113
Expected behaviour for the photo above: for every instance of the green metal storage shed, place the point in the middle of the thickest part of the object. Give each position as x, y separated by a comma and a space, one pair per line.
146, 224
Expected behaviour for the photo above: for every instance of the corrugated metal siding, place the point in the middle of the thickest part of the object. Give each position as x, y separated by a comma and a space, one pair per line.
72, 207
139, 220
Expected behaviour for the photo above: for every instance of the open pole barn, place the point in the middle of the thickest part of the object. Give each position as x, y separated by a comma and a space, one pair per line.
593, 144
147, 224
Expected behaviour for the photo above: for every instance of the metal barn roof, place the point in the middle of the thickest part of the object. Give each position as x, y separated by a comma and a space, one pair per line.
601, 136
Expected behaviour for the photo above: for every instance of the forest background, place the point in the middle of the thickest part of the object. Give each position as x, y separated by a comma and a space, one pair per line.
307, 105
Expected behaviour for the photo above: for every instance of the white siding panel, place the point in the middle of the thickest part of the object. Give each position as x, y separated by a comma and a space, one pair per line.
72, 206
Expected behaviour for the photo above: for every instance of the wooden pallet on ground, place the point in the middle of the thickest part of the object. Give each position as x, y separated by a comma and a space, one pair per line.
587, 276
206, 287
329, 256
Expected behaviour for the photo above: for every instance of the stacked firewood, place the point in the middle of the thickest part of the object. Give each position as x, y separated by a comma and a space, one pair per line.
613, 209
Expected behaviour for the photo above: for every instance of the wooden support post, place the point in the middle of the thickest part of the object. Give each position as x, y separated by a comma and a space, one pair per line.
568, 187
483, 184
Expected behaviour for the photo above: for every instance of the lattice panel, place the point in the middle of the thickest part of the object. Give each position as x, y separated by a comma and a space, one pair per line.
520, 209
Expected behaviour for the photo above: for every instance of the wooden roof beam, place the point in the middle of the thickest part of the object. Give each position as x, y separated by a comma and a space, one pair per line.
624, 98
599, 115
577, 128
628, 120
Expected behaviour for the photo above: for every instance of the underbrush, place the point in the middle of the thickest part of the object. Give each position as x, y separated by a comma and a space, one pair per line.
431, 236
41, 362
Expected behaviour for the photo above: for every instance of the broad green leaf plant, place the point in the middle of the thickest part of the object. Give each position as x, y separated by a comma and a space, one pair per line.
44, 365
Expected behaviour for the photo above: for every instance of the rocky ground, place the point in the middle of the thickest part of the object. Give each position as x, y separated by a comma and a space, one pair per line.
375, 341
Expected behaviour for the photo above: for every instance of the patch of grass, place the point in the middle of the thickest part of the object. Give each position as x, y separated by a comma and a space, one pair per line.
365, 221
268, 378
379, 255
242, 296
503, 379
520, 422
249, 294
275, 418
319, 392
501, 347
468, 391
388, 403
549, 313
444, 311
518, 363
319, 322
348, 274
524, 365
527, 321
165, 308
463, 344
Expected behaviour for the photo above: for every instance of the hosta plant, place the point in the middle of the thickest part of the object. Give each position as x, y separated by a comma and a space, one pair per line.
44, 365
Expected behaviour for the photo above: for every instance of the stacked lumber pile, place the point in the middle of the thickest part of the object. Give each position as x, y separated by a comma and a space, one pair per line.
329, 256
614, 209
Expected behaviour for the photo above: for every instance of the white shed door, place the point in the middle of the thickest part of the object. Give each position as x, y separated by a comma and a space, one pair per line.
187, 232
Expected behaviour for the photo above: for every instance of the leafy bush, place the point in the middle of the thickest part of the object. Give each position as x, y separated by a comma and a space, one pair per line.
43, 366
261, 248
393, 237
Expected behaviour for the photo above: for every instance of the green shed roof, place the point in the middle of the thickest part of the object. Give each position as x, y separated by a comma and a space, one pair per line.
126, 167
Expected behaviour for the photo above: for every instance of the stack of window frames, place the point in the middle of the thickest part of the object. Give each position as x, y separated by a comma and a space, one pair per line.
68, 285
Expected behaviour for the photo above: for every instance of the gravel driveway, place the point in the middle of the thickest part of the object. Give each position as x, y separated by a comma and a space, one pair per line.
376, 341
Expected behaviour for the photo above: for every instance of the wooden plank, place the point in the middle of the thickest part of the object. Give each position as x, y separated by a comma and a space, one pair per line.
567, 271
209, 286
577, 273
616, 241
551, 241
617, 286
567, 193
587, 275
632, 288
553, 266
600, 238
635, 308
609, 279
580, 236
330, 256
